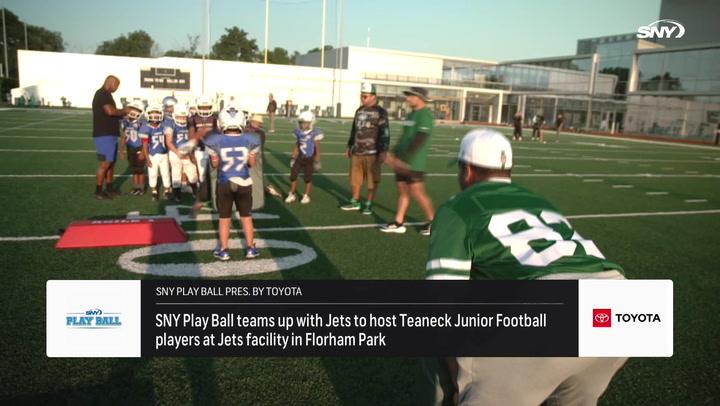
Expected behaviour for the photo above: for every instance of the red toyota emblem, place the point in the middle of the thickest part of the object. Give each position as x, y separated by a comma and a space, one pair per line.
602, 317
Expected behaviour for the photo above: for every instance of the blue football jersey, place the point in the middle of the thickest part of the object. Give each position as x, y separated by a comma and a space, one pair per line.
167, 120
179, 133
233, 150
155, 137
130, 132
306, 141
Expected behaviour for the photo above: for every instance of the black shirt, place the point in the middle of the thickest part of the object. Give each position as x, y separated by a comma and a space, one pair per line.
272, 106
205, 125
102, 123
370, 133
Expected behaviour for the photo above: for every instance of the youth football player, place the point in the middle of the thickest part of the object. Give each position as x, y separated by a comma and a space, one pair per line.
233, 153
180, 152
200, 124
130, 138
305, 156
155, 151
168, 103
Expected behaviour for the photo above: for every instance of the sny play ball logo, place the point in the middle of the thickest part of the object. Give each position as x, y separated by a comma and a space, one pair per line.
93, 318
602, 317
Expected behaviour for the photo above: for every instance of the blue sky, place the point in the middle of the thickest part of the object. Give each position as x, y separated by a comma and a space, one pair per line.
482, 29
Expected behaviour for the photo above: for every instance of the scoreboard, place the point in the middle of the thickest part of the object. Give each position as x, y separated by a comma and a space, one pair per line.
165, 78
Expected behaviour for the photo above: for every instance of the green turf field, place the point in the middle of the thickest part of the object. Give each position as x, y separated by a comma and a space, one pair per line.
653, 208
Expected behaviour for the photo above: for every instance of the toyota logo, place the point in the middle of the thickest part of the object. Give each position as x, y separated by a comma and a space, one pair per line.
602, 318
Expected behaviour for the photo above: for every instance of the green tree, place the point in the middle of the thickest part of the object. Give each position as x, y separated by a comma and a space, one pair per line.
136, 43
39, 39
279, 56
235, 45
317, 49
42, 39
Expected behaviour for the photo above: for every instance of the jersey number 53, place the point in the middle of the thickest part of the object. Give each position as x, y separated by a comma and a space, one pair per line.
234, 159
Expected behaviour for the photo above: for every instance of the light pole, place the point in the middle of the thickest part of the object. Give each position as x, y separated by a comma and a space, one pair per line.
267, 13
7, 68
322, 36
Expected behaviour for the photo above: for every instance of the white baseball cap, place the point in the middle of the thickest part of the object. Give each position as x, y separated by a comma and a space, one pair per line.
367, 87
486, 148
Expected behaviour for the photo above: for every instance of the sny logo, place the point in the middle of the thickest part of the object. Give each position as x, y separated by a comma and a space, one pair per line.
93, 318
602, 317
661, 29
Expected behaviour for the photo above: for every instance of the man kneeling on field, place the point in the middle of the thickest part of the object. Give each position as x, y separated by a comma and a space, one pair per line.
491, 230
233, 153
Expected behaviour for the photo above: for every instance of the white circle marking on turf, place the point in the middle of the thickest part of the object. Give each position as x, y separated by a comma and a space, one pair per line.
216, 269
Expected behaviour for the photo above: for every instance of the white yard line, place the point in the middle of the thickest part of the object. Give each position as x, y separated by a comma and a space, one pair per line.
45, 137
622, 186
54, 151
643, 214
307, 228
619, 160
50, 130
371, 225
695, 200
32, 124
656, 193
654, 142
31, 238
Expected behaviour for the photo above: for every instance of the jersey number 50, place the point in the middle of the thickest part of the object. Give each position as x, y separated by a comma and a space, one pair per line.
539, 229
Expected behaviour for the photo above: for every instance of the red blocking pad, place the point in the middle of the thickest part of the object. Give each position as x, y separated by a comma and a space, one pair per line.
120, 233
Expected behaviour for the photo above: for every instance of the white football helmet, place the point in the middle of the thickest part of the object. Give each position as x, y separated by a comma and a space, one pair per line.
180, 115
154, 113
231, 121
169, 101
205, 106
136, 110
306, 117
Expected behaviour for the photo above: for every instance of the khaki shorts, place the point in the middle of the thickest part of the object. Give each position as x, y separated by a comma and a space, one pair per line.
364, 167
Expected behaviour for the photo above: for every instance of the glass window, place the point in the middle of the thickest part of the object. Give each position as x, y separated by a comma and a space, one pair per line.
708, 61
651, 66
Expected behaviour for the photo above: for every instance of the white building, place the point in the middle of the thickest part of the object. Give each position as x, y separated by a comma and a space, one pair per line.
48, 77
462, 89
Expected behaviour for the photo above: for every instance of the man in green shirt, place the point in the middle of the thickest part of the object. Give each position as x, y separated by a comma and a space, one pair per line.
495, 229
408, 160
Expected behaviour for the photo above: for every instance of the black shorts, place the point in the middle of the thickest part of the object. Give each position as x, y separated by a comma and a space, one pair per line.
229, 193
412, 177
137, 165
306, 164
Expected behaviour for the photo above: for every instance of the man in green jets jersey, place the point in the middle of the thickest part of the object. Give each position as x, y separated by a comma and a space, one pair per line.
495, 229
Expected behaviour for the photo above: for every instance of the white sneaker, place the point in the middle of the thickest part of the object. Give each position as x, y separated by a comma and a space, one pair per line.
305, 199
291, 198
272, 192
393, 228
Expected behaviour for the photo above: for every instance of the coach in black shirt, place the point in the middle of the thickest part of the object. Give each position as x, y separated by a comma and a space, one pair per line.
106, 129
